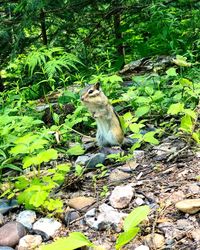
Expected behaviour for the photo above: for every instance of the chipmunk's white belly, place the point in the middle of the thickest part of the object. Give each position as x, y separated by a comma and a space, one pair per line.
104, 135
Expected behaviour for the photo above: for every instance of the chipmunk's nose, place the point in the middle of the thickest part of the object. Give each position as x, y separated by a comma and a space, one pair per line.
82, 98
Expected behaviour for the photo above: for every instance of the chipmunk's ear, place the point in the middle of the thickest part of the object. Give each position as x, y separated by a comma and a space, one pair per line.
97, 85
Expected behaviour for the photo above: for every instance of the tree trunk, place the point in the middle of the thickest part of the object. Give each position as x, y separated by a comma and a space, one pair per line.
43, 27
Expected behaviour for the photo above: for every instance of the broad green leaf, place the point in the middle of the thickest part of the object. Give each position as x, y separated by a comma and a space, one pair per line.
158, 95
26, 139
142, 111
190, 113
135, 127
149, 137
65, 167
22, 182
45, 156
38, 198
196, 137
76, 150
171, 72
125, 237
186, 123
142, 100
185, 82
30, 161
73, 241
149, 90
176, 108
135, 146
19, 149
135, 217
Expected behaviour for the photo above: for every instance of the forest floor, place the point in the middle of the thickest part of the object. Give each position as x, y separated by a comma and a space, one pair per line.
161, 176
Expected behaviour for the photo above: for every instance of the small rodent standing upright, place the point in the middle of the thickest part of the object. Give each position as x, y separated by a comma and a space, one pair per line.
109, 130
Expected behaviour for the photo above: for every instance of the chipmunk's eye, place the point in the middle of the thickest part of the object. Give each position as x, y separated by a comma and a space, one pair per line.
90, 91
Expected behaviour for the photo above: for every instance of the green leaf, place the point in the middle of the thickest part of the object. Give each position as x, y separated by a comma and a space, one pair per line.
135, 217
142, 111
30, 161
190, 113
19, 149
73, 241
76, 150
11, 166
196, 137
176, 108
186, 123
38, 198
46, 156
135, 127
185, 82
171, 72
149, 137
125, 237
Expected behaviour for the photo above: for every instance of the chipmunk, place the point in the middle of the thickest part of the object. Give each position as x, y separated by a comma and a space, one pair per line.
109, 130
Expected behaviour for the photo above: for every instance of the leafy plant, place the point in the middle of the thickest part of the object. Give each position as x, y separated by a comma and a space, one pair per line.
130, 225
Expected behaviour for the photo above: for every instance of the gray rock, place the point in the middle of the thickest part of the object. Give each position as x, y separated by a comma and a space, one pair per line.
121, 196
117, 176
47, 226
70, 216
106, 217
138, 155
29, 242
7, 205
11, 233
194, 189
6, 248
27, 218
90, 160
139, 201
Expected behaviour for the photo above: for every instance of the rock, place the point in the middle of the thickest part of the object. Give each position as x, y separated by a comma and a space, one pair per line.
155, 241
6, 248
27, 218
11, 233
1, 219
190, 206
121, 196
111, 150
47, 226
195, 234
81, 202
118, 175
164, 150
194, 189
142, 247
7, 205
139, 201
70, 216
106, 217
90, 160
129, 167
138, 155
29, 242
184, 224
167, 228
